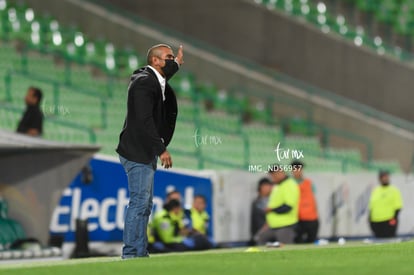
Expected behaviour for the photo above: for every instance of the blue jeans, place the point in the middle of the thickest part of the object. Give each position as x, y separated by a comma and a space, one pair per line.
140, 186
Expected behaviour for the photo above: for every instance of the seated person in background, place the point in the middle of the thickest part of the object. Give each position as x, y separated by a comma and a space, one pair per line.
259, 205
197, 216
179, 216
197, 222
32, 121
173, 195
155, 245
282, 209
167, 230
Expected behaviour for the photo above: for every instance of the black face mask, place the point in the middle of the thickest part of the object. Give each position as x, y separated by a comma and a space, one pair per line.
170, 68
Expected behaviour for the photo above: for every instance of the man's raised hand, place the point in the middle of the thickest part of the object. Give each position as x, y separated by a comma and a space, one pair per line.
180, 55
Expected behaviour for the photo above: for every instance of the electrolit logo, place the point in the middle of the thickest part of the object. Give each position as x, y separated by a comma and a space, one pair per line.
98, 213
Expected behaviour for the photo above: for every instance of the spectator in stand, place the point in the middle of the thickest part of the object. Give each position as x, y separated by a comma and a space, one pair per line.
31, 122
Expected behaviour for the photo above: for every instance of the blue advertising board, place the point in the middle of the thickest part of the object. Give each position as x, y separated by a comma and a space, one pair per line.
103, 200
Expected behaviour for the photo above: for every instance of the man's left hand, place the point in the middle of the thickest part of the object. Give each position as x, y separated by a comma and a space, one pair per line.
180, 56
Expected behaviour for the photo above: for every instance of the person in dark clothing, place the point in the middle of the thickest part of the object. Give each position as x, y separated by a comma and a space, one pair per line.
31, 122
148, 129
258, 209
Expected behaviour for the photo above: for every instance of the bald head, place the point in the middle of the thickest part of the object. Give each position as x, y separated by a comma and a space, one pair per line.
156, 51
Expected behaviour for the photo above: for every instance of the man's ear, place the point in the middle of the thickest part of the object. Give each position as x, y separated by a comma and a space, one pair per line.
154, 61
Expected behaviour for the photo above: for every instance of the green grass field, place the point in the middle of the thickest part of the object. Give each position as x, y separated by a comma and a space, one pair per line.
352, 258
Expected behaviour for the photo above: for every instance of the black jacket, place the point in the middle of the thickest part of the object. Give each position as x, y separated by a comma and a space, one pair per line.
150, 122
32, 119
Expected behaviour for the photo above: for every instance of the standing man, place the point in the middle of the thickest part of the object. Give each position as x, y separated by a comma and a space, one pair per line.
148, 129
32, 121
307, 229
282, 209
384, 206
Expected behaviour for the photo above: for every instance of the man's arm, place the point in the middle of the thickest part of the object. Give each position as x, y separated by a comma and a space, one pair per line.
284, 208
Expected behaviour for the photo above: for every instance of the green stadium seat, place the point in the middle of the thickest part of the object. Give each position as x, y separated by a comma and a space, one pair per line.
367, 5
76, 47
184, 137
324, 165
10, 60
3, 19
184, 85
184, 160
309, 145
220, 120
7, 235
18, 21
262, 143
127, 61
386, 11
43, 64
351, 155
222, 150
392, 166
299, 126
10, 230
404, 24
207, 92
262, 113
9, 119
4, 209
188, 111
17, 229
